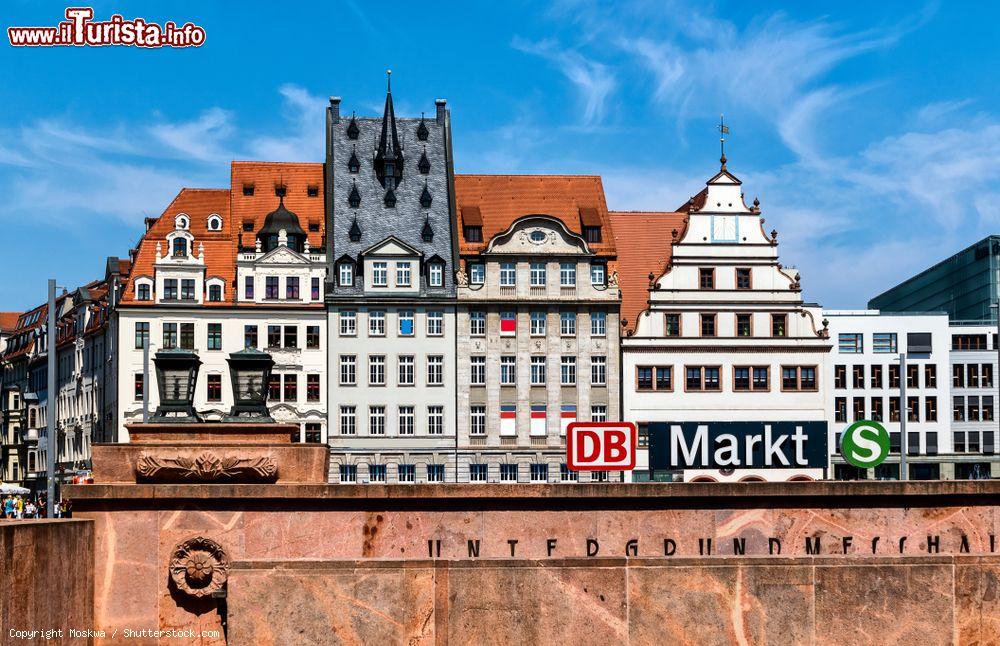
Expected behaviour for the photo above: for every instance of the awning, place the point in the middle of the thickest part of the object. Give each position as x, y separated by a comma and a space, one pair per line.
471, 216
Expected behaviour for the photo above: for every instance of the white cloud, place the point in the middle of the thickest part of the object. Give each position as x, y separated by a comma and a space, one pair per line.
202, 139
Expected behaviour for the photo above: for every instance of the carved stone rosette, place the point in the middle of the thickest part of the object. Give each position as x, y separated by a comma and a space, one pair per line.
199, 566
207, 467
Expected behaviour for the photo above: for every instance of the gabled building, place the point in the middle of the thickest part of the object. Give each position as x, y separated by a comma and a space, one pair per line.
391, 296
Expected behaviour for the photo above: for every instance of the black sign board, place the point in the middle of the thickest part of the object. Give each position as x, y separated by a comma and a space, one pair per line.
737, 445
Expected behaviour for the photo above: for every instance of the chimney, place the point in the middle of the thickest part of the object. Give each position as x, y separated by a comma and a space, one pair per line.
335, 108
440, 103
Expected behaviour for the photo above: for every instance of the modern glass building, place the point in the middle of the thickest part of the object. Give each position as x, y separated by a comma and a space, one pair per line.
964, 286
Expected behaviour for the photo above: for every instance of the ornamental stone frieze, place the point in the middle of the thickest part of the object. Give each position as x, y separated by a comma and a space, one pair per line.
206, 467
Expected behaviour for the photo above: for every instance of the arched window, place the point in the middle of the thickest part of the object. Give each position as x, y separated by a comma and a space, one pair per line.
180, 248
143, 292
31, 420
215, 293
214, 223
181, 222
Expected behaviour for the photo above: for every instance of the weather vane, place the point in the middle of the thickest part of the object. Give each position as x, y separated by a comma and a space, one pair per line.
723, 131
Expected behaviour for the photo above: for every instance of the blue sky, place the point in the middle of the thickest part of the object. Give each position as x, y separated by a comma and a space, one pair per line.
869, 131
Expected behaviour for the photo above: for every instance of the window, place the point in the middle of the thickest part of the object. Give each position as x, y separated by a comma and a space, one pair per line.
671, 324
508, 274
477, 472
380, 274
477, 323
598, 323
215, 336
968, 342
508, 473
930, 409
141, 334
706, 278
473, 234
271, 287
508, 323
170, 289
346, 274
538, 274
291, 388
292, 288
567, 371
291, 336
539, 472
876, 403
972, 375
850, 343
798, 377
405, 323
314, 288
348, 473
376, 420
376, 323
169, 336
702, 378
213, 391
985, 379
644, 377
407, 473
751, 378
987, 408
913, 409
435, 420
958, 376
215, 293
779, 325
435, 275
348, 420
477, 370
435, 370
403, 277
973, 409
894, 409
913, 376
137, 388
348, 323
592, 234
143, 292
840, 409
567, 274
376, 472
312, 336
598, 371
958, 409
840, 377
477, 420
376, 370
884, 343
859, 409
435, 323
537, 371
567, 323
477, 273
405, 420
876, 376
565, 475
742, 278
598, 274
187, 336
858, 375
708, 324
508, 370
537, 324
248, 287
250, 336
435, 473
894, 375
406, 372
743, 325
180, 248
274, 387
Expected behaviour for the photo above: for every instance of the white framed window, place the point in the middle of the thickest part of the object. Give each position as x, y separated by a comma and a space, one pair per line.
478, 420
477, 273
567, 371
435, 420
477, 323
477, 370
405, 420
407, 473
348, 473
508, 323
435, 473
435, 274
376, 420
508, 274
435, 370
346, 274
376, 472
348, 420
598, 323
538, 323
144, 290
538, 371
508, 370
477, 472
403, 274
567, 274
348, 323
380, 274
214, 223
565, 475
508, 472
376, 323
405, 322
599, 413
406, 370
435, 323
376, 370
567, 323
598, 274
539, 472
538, 274
598, 371
348, 370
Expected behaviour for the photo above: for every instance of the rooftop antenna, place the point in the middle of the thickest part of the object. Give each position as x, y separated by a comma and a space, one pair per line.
723, 131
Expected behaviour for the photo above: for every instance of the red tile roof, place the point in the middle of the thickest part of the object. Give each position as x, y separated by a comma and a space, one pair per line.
8, 320
297, 178
499, 200
644, 246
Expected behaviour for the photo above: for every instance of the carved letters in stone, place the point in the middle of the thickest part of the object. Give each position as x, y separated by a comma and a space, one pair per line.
207, 467
199, 566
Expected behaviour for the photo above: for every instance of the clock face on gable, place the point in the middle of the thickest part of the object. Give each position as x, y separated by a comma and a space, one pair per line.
725, 228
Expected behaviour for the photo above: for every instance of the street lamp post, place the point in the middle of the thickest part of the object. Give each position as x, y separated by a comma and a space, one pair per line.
50, 404
904, 412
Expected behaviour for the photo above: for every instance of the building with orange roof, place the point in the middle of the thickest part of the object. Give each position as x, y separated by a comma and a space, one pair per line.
538, 322
226, 269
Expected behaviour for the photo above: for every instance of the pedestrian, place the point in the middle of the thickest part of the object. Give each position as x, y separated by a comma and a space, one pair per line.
8, 507
67, 508
19, 507
30, 510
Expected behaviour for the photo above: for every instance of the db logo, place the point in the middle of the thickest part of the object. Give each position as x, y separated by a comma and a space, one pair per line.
601, 446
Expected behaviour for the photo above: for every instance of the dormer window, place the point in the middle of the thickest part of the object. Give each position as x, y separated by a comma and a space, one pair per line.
181, 222
180, 248
473, 234
215, 293
248, 225
280, 190
424, 165
314, 227
592, 234
353, 165
352, 128
345, 275
390, 198
435, 274
355, 232
143, 292
425, 198
427, 233
422, 129
247, 190
312, 191
214, 223
390, 173
354, 199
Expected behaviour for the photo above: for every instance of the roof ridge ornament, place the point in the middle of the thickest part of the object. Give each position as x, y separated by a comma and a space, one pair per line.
723, 131
352, 127
422, 129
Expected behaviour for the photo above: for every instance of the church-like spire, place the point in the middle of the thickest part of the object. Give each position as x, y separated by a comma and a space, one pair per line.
389, 154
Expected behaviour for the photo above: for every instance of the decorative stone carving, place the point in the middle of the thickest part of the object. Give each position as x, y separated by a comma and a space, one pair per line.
207, 467
461, 278
613, 279
199, 567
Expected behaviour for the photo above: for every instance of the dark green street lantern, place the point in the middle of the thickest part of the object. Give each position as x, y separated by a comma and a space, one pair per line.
176, 377
250, 372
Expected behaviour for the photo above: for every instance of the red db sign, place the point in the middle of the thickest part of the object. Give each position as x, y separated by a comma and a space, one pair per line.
601, 446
